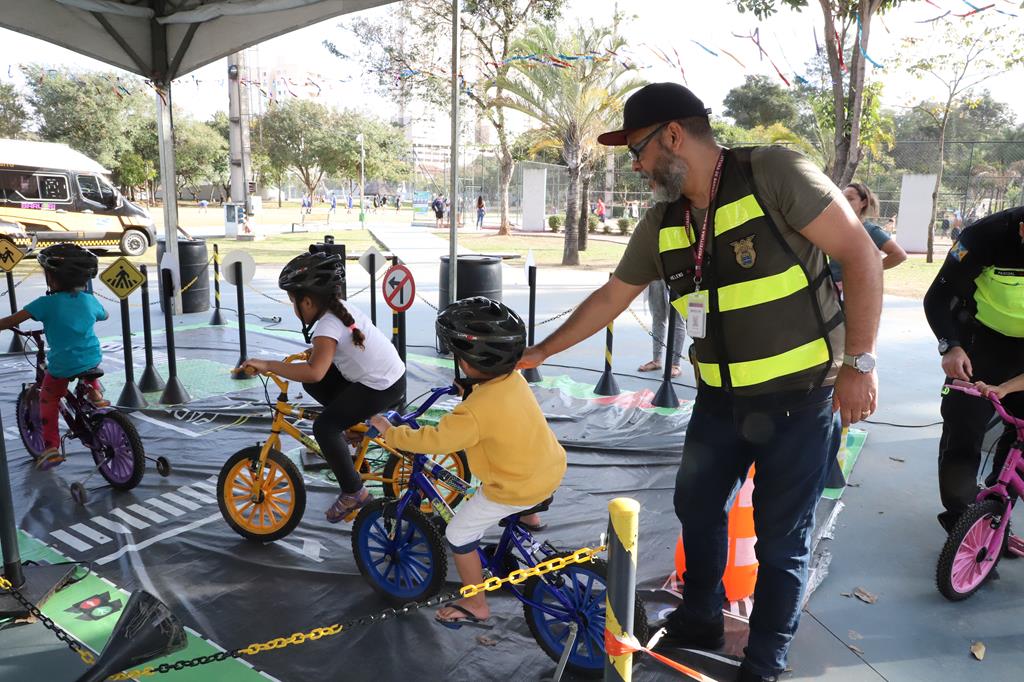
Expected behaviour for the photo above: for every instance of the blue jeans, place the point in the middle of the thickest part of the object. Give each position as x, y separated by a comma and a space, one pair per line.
790, 438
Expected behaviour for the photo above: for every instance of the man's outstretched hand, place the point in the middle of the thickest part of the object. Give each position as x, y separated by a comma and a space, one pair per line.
532, 357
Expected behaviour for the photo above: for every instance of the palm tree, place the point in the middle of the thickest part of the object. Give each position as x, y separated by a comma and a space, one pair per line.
571, 103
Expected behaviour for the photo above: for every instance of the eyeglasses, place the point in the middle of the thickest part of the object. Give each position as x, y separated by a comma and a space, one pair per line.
637, 150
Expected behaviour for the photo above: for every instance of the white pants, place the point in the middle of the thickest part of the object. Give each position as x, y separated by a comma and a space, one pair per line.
474, 517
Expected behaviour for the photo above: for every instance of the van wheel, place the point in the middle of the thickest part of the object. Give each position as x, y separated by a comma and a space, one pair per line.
134, 243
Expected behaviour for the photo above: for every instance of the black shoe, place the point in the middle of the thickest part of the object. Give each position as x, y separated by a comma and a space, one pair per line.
683, 631
745, 675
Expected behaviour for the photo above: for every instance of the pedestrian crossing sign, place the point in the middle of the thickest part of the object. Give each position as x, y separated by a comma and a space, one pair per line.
122, 277
10, 254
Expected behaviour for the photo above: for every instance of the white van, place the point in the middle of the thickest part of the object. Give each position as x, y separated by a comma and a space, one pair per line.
60, 195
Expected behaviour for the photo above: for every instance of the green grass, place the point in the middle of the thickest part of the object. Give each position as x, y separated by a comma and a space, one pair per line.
913, 277
191, 216
547, 251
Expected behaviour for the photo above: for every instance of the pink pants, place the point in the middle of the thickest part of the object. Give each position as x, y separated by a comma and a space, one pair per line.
50, 394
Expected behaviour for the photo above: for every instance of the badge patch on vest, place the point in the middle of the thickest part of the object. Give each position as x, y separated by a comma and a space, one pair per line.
958, 252
745, 254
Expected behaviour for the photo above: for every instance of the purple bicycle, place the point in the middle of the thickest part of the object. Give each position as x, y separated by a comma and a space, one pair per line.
108, 433
974, 547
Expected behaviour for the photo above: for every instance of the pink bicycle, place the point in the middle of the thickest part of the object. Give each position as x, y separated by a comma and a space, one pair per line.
974, 547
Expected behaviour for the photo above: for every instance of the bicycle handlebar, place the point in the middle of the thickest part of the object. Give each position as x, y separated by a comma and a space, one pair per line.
971, 389
398, 419
36, 334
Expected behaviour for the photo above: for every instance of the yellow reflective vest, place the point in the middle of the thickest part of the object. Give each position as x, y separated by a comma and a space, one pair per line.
765, 328
1000, 300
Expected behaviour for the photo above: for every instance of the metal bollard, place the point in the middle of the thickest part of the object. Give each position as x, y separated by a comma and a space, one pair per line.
151, 380
131, 397
17, 345
666, 395
623, 529
607, 385
217, 318
373, 289
532, 374
398, 328
174, 392
243, 351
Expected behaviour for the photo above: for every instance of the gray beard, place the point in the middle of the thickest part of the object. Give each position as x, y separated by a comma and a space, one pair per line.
668, 180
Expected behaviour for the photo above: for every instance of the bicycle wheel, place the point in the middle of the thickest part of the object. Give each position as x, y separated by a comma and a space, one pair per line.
117, 450
30, 425
282, 495
398, 468
583, 586
402, 559
964, 562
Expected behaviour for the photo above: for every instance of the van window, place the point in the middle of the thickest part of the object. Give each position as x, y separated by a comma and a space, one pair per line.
90, 187
53, 187
16, 186
108, 192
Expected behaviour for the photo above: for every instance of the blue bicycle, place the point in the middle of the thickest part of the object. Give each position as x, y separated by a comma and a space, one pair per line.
401, 553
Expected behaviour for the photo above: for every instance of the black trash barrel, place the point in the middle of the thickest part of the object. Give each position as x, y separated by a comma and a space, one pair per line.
476, 276
193, 262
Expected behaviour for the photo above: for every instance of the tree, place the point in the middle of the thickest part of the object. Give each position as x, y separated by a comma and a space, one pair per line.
760, 102
197, 149
221, 167
304, 136
571, 104
492, 27
98, 113
968, 53
850, 22
13, 117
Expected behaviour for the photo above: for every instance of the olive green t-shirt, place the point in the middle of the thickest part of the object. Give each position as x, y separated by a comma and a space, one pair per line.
793, 191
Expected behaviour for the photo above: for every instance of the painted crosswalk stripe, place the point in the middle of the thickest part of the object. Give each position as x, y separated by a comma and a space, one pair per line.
164, 507
203, 485
147, 513
202, 497
94, 535
179, 500
129, 519
110, 525
70, 540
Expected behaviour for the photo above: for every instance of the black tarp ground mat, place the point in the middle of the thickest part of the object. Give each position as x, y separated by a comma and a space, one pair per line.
168, 537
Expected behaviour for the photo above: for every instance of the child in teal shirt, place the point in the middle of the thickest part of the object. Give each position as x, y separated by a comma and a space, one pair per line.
68, 314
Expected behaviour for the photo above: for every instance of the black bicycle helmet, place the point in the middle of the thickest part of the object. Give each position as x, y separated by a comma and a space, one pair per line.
487, 334
70, 263
313, 273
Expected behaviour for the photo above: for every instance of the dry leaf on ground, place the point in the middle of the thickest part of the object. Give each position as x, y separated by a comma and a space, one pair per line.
856, 649
854, 635
978, 650
486, 641
865, 596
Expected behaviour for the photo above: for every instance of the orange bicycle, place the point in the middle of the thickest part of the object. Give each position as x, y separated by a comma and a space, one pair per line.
261, 491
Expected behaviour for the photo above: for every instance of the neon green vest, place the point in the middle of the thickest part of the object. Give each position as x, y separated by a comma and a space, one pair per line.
1000, 300
765, 328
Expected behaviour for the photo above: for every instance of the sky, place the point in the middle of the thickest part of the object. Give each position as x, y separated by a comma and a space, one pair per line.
663, 37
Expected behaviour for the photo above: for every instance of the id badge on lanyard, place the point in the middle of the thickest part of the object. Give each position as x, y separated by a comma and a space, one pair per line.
697, 303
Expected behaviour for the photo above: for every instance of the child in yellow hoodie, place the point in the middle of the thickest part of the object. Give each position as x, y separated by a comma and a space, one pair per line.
499, 424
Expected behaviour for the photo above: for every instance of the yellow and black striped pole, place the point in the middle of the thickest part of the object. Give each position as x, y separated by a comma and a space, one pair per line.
623, 529
607, 385
216, 319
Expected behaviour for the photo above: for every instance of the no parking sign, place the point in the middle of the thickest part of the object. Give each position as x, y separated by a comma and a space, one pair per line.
399, 288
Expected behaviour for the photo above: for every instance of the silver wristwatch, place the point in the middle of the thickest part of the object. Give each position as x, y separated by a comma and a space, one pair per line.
863, 363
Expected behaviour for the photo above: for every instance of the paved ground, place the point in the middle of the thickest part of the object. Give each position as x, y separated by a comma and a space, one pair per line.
887, 538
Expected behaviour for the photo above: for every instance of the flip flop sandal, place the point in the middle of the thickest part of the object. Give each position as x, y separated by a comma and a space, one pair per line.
649, 367
676, 371
49, 461
470, 619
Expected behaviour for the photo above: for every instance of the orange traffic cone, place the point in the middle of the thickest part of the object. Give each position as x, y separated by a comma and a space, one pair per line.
741, 567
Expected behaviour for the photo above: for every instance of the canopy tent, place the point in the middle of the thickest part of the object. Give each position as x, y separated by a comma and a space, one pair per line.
163, 39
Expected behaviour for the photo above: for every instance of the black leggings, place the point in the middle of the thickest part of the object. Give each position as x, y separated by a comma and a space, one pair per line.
345, 405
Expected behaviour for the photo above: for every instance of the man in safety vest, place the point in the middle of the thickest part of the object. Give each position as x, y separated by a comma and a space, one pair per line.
975, 307
740, 236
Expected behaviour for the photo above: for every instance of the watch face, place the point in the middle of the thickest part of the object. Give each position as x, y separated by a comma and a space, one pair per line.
943, 346
865, 362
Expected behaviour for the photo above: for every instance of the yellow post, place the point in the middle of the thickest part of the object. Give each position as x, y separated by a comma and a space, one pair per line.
623, 528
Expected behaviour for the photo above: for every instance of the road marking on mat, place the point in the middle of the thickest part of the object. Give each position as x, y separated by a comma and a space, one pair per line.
164, 507
177, 499
165, 425
94, 535
147, 513
70, 540
198, 494
135, 547
129, 519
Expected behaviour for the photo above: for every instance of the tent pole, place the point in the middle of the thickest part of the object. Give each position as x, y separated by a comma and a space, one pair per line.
453, 196
165, 137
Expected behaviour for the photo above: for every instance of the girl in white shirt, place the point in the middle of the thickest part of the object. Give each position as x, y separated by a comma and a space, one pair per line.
352, 370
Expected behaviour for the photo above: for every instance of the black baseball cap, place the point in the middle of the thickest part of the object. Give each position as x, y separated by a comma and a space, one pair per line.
651, 104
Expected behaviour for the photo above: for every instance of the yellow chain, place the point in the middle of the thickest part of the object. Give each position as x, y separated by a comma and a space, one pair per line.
5, 584
297, 638
580, 556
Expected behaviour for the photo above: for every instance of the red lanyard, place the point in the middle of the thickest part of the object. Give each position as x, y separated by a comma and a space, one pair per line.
702, 243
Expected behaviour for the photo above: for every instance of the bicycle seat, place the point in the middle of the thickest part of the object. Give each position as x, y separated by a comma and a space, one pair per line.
90, 374
539, 507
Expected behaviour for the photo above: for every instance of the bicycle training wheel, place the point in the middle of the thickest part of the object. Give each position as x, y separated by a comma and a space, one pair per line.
30, 424
583, 586
965, 562
398, 469
402, 559
282, 495
118, 451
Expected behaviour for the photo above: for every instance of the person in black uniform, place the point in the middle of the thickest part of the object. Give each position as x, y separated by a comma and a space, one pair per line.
975, 308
